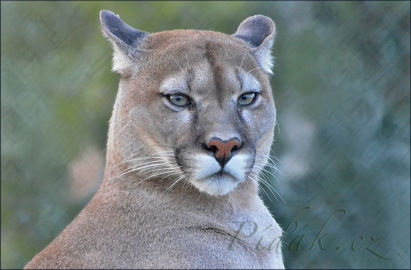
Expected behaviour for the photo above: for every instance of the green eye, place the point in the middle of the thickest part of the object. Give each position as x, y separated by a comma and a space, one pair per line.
247, 98
179, 100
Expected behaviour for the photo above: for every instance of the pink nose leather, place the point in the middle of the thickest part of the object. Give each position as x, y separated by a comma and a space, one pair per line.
223, 148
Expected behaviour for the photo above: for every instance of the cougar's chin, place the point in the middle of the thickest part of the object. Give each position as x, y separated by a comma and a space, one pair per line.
211, 178
216, 185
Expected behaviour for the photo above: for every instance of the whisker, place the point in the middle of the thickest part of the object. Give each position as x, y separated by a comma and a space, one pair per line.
173, 184
143, 167
256, 68
169, 173
261, 189
262, 169
272, 189
144, 158
269, 187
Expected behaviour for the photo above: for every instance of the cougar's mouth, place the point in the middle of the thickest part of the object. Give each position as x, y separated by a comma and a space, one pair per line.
210, 177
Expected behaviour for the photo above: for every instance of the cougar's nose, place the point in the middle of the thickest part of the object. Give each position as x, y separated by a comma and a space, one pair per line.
222, 149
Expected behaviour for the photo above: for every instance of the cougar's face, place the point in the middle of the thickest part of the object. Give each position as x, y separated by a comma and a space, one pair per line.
210, 113
192, 106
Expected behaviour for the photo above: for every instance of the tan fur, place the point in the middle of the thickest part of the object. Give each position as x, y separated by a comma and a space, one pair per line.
131, 223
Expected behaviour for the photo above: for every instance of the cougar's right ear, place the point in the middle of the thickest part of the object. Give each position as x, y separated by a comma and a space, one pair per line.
125, 39
258, 32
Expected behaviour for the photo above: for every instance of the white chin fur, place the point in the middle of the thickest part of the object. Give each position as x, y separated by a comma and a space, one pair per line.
207, 180
217, 185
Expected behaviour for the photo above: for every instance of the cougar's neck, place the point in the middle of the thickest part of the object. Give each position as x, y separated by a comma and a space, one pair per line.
114, 164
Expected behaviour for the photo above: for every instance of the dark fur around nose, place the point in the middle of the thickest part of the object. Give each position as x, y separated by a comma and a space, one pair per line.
223, 149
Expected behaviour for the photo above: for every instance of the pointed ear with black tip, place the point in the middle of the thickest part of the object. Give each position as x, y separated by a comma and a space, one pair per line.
125, 39
259, 32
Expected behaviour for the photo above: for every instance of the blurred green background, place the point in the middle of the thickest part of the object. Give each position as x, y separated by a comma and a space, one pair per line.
342, 91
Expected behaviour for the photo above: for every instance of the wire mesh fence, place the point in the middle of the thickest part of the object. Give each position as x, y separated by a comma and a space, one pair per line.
342, 92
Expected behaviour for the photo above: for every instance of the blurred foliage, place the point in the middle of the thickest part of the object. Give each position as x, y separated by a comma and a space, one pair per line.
342, 91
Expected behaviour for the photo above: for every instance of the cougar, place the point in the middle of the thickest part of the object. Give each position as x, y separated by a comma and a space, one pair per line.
191, 130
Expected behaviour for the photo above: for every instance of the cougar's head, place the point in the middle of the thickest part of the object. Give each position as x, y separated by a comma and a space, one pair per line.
194, 106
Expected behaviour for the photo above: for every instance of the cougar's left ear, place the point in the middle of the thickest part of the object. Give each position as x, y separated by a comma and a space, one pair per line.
125, 39
258, 32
